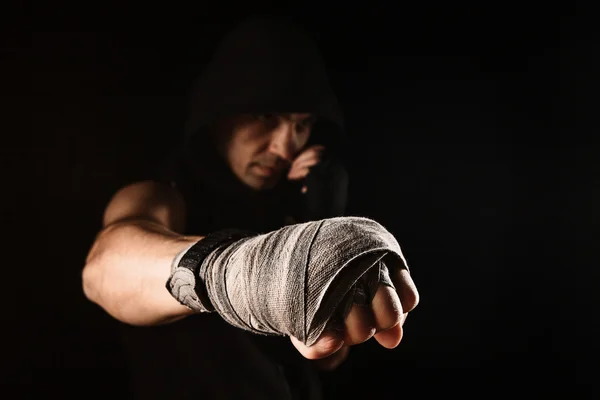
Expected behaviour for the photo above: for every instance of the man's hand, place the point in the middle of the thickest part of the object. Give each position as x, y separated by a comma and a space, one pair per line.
304, 161
333, 361
382, 319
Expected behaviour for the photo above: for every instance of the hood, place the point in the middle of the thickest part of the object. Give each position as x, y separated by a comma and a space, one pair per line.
266, 66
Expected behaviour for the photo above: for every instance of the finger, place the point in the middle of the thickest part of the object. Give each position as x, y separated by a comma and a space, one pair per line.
360, 325
317, 148
312, 152
406, 288
308, 160
388, 315
391, 337
328, 343
302, 169
307, 163
296, 174
333, 361
387, 308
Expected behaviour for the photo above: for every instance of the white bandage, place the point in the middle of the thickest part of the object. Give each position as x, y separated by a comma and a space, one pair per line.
292, 281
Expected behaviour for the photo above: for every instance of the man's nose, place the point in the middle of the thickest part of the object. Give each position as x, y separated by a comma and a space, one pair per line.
283, 143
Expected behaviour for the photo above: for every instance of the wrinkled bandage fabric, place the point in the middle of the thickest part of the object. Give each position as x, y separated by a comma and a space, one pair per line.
184, 283
294, 280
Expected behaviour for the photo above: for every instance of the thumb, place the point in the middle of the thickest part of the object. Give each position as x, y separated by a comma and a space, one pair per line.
328, 343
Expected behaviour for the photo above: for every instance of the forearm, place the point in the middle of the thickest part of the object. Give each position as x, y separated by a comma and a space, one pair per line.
127, 269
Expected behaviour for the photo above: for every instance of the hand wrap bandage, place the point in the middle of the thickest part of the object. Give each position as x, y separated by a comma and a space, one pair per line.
294, 280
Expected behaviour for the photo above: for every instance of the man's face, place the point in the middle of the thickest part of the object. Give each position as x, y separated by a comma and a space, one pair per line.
259, 148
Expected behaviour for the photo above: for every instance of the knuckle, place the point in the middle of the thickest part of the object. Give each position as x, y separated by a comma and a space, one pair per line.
388, 318
412, 300
361, 333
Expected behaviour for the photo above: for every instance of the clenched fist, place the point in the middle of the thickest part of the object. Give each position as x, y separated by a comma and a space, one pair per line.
382, 319
303, 162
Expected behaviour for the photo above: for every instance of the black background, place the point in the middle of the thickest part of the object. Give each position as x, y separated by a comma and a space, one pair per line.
474, 140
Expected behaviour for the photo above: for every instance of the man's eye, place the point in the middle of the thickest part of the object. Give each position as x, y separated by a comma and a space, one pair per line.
309, 122
300, 128
306, 124
265, 117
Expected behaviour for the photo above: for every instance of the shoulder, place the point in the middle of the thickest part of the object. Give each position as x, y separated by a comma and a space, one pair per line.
148, 199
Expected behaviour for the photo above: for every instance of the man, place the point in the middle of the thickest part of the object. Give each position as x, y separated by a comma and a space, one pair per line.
262, 150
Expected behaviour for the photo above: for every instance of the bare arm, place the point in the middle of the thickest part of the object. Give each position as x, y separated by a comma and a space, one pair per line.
130, 261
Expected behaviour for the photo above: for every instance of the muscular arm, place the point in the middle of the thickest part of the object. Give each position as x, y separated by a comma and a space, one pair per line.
130, 262
130, 259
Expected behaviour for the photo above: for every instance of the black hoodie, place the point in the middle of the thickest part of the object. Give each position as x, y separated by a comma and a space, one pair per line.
263, 66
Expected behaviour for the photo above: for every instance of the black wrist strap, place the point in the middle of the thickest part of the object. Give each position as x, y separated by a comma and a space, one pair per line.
185, 283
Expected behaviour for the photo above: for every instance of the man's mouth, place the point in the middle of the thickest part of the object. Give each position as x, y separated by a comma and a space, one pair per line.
265, 170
